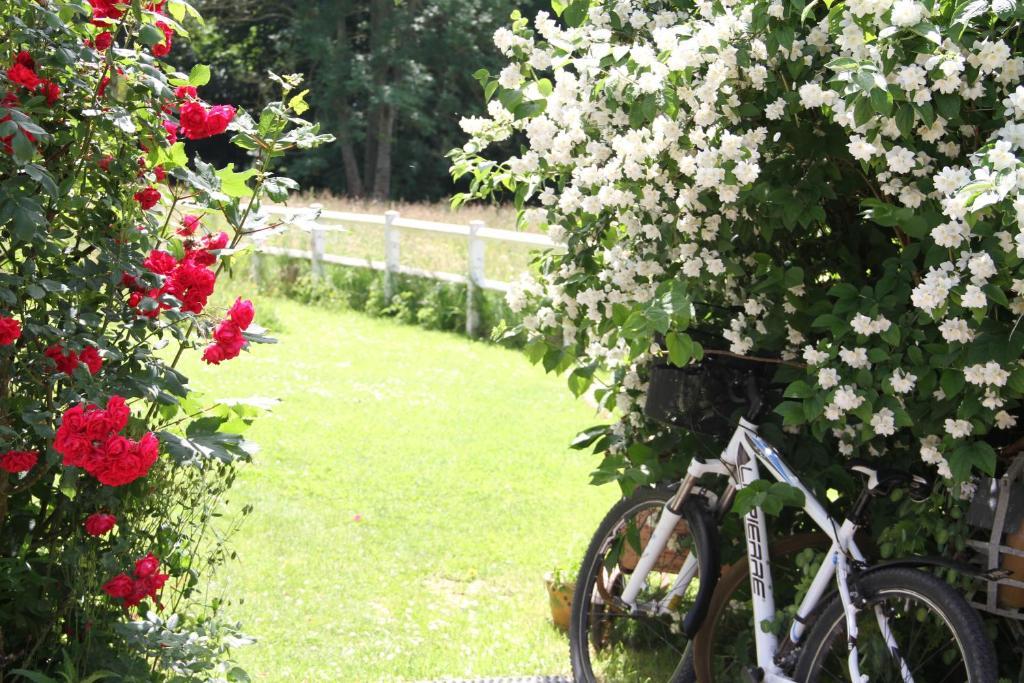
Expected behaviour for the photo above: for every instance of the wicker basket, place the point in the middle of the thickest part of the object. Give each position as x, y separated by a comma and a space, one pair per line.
998, 508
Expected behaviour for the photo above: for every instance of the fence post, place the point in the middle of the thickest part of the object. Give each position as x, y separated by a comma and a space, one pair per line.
316, 237
391, 253
475, 278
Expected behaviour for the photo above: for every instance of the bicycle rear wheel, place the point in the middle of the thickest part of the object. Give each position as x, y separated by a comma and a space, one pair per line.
938, 635
607, 644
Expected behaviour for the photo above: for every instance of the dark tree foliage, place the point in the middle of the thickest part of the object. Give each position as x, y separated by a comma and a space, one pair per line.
390, 78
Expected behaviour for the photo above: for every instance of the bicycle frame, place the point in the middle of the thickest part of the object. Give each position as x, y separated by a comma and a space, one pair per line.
739, 462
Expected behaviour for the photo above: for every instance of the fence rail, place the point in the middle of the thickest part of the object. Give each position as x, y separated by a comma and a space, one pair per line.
318, 222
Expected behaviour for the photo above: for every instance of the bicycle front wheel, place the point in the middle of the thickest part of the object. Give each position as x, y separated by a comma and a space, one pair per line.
606, 643
938, 636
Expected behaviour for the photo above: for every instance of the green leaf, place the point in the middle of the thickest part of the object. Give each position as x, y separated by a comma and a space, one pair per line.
905, 119
844, 291
973, 455
1016, 381
150, 35
580, 380
952, 382
862, 110
34, 676
794, 276
588, 436
23, 148
792, 413
199, 75
843, 64
799, 389
234, 184
576, 12
680, 348
881, 101
892, 335
298, 103
948, 105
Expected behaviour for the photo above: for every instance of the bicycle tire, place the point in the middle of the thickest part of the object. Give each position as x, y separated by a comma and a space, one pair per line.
825, 649
734, 577
587, 609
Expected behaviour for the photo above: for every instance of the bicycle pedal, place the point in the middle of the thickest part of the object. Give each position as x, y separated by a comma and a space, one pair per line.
754, 674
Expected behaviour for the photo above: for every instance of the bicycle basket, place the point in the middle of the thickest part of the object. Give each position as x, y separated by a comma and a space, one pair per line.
705, 397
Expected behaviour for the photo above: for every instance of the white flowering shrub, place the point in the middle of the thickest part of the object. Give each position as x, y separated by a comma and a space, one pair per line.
836, 184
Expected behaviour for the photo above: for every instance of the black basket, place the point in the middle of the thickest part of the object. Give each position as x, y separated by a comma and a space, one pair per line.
706, 397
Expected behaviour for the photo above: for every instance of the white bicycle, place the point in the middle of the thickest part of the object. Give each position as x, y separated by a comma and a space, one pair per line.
650, 571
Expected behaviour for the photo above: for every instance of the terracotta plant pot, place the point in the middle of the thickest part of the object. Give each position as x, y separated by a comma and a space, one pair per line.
560, 597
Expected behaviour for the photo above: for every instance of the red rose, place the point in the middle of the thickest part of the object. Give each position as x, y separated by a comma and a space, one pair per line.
18, 461
189, 224
105, 162
145, 588
91, 357
242, 313
104, 41
163, 49
192, 116
146, 566
184, 92
117, 412
218, 118
214, 354
230, 336
105, 12
65, 360
50, 90
25, 59
99, 523
172, 131
10, 329
23, 75
218, 241
192, 284
119, 587
160, 173
147, 198
160, 262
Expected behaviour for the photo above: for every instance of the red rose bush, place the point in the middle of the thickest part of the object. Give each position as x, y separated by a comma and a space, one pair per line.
108, 256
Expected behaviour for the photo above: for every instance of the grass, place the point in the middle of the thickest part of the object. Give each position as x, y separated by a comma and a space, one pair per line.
412, 489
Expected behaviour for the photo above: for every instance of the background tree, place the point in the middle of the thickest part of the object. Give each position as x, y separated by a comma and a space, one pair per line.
390, 80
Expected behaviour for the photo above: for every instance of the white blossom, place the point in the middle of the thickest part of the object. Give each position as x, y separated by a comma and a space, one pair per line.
828, 378
884, 422
958, 429
902, 383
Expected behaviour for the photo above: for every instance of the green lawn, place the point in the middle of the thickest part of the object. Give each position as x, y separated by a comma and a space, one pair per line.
412, 489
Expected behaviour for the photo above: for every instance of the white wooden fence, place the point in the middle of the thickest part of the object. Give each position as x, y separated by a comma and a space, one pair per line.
317, 222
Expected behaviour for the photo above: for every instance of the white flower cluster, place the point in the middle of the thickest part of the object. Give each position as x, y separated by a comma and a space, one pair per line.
656, 145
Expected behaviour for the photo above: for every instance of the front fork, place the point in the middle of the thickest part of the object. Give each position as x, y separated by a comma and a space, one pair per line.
670, 517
